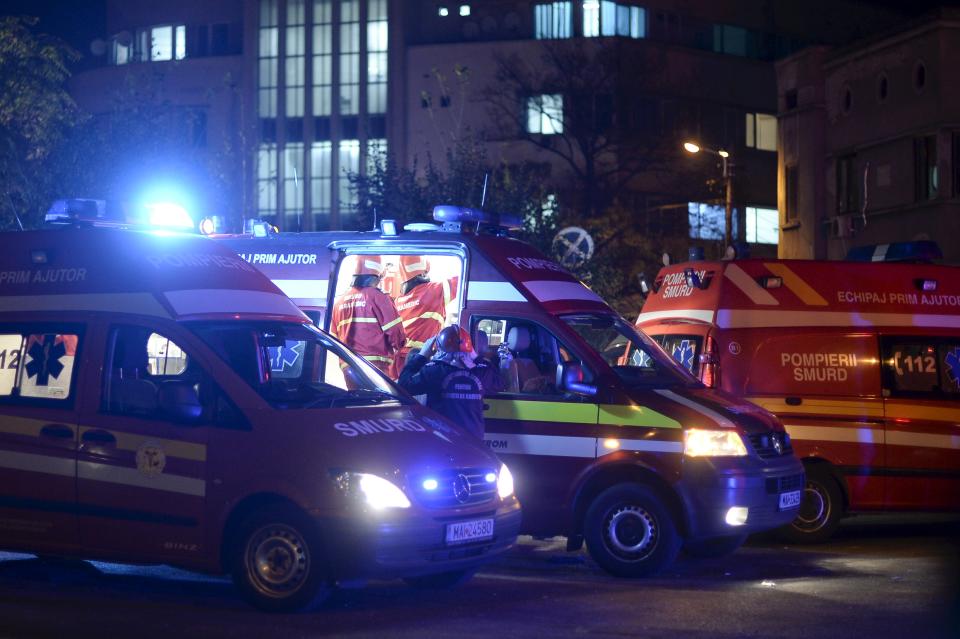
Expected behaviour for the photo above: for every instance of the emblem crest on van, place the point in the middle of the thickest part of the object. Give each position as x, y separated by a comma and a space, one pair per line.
461, 488
150, 458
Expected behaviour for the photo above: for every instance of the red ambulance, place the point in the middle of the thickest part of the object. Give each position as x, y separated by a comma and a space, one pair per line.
635, 457
860, 360
161, 401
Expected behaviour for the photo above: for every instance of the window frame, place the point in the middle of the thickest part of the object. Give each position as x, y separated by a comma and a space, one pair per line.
44, 328
887, 376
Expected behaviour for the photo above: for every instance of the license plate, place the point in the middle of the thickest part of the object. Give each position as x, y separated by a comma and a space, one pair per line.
464, 531
789, 500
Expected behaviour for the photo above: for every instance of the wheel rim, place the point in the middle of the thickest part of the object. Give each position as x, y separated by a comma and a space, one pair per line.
277, 560
815, 508
630, 532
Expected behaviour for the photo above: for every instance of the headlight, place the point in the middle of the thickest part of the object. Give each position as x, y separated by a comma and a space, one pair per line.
377, 492
713, 443
504, 482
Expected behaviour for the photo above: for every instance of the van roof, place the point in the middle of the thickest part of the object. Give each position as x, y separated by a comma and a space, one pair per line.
502, 270
147, 273
772, 293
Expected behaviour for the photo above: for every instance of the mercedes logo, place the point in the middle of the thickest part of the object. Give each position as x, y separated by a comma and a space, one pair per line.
777, 445
461, 488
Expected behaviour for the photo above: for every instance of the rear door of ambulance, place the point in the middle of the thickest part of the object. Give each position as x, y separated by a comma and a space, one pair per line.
142, 475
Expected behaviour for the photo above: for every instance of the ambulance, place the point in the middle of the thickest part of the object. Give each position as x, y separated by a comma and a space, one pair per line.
161, 401
860, 360
632, 455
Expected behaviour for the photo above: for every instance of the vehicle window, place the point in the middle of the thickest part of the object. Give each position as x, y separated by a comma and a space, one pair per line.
140, 363
527, 355
37, 365
296, 366
634, 357
922, 367
685, 349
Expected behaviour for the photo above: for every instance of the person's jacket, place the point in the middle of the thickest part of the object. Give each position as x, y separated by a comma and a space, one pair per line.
366, 320
454, 392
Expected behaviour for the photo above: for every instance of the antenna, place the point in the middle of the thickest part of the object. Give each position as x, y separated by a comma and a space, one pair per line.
483, 197
13, 209
374, 218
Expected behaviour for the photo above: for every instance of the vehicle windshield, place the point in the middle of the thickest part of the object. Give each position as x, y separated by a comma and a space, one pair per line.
296, 366
633, 356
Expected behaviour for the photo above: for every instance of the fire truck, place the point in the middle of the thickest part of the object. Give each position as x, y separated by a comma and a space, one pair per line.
612, 443
860, 360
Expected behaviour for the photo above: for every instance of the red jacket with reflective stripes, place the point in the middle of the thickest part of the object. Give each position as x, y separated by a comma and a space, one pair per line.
366, 320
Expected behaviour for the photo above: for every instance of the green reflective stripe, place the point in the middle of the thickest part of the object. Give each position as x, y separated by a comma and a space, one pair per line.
618, 415
531, 411
391, 324
412, 343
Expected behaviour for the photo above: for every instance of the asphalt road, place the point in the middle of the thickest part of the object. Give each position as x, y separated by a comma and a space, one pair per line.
879, 577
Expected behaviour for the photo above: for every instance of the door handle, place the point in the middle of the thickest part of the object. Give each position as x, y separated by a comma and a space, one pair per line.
794, 401
99, 437
56, 431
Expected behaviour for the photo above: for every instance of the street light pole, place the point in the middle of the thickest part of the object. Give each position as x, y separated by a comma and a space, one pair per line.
724, 156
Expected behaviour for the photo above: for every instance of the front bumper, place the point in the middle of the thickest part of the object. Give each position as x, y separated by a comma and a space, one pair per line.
412, 543
710, 487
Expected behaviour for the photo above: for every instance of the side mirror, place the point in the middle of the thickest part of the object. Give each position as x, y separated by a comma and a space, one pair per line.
179, 402
570, 379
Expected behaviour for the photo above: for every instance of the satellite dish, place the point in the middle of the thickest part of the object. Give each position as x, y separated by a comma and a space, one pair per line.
98, 47
124, 38
573, 245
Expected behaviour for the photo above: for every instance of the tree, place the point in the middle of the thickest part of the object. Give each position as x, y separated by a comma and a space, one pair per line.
36, 112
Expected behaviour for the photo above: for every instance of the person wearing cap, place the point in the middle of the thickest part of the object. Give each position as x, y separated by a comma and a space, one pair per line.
365, 318
446, 370
422, 304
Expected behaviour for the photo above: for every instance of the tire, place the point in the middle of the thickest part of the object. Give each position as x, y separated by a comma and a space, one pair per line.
821, 509
714, 546
442, 580
630, 532
277, 561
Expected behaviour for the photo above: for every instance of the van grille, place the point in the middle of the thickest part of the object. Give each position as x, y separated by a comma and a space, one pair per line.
766, 444
451, 484
776, 485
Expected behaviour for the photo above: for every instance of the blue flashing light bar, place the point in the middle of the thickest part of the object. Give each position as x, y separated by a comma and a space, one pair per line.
920, 251
450, 214
168, 215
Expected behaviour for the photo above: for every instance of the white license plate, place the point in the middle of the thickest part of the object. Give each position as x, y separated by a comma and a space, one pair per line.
464, 531
789, 500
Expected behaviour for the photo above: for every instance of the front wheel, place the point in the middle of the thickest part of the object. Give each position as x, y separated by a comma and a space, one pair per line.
714, 547
630, 532
277, 561
821, 508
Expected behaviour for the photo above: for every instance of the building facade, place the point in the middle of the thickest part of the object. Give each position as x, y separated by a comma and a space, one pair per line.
295, 95
869, 139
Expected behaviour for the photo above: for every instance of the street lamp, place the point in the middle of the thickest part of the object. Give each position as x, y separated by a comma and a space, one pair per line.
692, 147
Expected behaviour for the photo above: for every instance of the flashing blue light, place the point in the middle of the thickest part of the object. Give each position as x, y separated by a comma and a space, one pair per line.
448, 213
490, 477
168, 214
430, 484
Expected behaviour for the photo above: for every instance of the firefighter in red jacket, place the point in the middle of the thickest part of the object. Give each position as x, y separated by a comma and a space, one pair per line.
422, 304
365, 318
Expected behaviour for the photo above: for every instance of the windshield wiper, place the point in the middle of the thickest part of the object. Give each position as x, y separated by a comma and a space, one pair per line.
362, 395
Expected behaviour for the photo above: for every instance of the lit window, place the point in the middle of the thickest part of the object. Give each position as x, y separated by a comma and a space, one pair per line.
267, 180
322, 57
377, 56
180, 43
321, 180
161, 44
350, 57
349, 158
295, 62
761, 131
443, 11
464, 10
293, 185
120, 53
591, 18
545, 114
707, 221
609, 18
762, 225
268, 56
552, 20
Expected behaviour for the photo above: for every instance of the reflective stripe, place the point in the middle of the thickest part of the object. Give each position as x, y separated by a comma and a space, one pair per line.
931, 413
391, 324
749, 286
378, 358
428, 315
796, 285
447, 296
699, 315
618, 415
923, 440
700, 408
825, 407
648, 445
565, 446
171, 447
133, 477
560, 412
552, 290
63, 466
358, 320
23, 426
136, 303
731, 318
412, 343
494, 292
836, 434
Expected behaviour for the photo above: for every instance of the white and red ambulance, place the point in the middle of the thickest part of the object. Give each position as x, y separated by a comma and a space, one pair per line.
635, 456
860, 360
161, 401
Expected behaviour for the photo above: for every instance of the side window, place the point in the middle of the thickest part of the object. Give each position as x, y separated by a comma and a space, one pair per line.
144, 365
922, 367
37, 365
528, 355
683, 348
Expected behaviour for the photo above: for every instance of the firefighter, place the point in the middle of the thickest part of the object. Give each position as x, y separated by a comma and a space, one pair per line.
365, 318
422, 304
446, 370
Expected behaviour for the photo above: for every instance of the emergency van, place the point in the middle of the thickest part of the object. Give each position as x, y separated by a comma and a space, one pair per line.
635, 457
860, 360
161, 401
